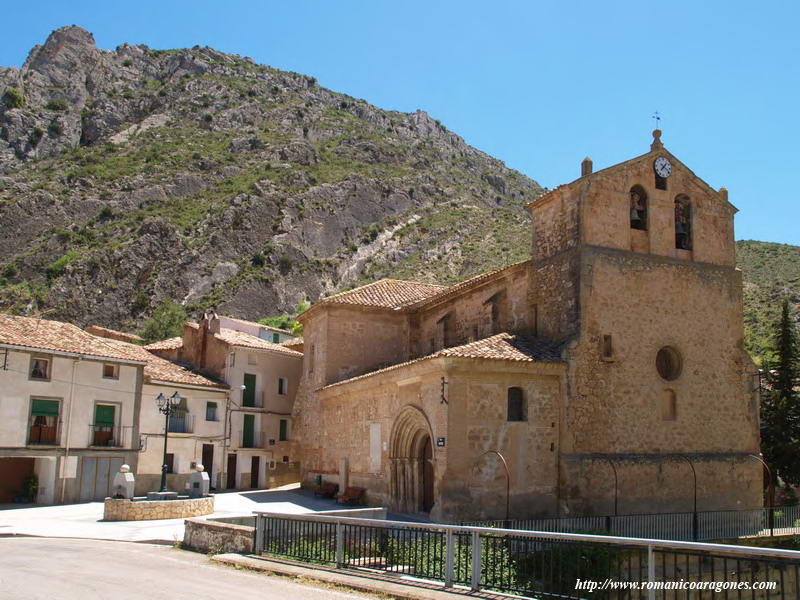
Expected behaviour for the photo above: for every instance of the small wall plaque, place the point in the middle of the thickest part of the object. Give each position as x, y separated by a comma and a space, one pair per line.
440, 442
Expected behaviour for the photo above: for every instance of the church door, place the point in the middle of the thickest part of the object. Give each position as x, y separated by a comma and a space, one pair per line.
427, 475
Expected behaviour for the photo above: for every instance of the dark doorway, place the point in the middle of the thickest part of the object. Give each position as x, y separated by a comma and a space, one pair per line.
15, 471
208, 461
231, 483
427, 475
255, 465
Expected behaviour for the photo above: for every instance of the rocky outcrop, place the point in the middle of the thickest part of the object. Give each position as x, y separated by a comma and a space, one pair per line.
134, 175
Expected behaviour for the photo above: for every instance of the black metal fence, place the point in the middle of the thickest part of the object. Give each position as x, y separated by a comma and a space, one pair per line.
700, 526
533, 563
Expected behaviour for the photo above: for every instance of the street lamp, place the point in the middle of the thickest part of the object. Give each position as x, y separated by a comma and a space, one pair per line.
167, 406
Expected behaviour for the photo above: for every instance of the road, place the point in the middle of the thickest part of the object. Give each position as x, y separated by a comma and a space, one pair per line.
70, 569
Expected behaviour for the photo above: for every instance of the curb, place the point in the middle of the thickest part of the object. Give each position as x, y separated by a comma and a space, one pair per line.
366, 582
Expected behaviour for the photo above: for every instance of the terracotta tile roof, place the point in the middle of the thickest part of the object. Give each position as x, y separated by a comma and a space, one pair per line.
503, 346
113, 334
168, 344
292, 342
245, 340
59, 337
255, 324
467, 283
161, 369
385, 293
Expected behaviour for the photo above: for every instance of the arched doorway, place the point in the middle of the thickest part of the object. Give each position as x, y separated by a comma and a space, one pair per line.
412, 475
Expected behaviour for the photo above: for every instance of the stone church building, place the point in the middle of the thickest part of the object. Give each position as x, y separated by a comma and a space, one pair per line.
607, 373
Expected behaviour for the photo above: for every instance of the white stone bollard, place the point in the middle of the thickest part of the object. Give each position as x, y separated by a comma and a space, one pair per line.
124, 483
199, 483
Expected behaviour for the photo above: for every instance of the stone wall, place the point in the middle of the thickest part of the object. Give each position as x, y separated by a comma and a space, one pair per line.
206, 535
469, 312
144, 510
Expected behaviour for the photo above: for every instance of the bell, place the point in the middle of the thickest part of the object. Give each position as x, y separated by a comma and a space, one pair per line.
680, 228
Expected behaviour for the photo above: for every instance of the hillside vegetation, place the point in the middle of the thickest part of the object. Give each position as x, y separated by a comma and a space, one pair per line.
136, 175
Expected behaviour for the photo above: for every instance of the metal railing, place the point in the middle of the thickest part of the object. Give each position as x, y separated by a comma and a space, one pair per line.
531, 563
44, 431
108, 436
181, 423
687, 526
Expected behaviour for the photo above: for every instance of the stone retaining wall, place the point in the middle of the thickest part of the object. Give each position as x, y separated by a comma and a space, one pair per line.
214, 536
144, 510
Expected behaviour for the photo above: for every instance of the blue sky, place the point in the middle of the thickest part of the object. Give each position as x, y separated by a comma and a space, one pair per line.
539, 85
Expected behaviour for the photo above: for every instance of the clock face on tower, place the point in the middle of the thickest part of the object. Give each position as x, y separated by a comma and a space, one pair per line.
662, 167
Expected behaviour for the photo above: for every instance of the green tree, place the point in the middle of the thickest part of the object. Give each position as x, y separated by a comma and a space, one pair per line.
167, 321
780, 405
288, 322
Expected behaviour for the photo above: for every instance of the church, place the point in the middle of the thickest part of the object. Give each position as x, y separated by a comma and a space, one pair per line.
604, 375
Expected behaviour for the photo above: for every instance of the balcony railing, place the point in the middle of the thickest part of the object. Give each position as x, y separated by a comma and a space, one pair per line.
181, 424
254, 440
44, 431
256, 402
108, 436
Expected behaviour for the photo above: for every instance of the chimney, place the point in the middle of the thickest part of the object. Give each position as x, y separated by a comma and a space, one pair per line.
723, 193
213, 322
586, 167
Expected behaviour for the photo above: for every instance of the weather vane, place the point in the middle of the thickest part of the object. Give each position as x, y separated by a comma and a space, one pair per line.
657, 117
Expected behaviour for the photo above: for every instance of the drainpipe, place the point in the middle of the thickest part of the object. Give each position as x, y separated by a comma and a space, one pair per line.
223, 471
75, 362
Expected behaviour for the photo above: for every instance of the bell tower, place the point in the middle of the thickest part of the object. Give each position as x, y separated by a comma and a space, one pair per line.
633, 269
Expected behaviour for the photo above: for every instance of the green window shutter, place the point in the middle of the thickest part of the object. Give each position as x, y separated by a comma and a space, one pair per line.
276, 338
248, 434
104, 415
249, 393
211, 411
44, 408
282, 432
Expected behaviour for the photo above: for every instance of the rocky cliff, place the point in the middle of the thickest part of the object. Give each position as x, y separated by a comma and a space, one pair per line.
133, 175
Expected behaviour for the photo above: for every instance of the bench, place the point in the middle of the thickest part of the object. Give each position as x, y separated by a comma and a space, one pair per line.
327, 490
351, 495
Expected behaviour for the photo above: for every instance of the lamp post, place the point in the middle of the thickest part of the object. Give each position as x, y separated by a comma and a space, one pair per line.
167, 406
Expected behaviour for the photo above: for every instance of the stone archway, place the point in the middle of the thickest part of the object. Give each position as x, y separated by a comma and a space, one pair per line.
411, 461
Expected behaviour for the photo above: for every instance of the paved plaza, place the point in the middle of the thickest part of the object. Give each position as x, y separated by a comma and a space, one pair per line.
85, 520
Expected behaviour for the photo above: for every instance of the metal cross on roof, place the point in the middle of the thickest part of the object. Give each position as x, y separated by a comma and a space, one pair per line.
657, 117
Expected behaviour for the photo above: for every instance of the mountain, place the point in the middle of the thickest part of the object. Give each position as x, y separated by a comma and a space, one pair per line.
136, 175
770, 272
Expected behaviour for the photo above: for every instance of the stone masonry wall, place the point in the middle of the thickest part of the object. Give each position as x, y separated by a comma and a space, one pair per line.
203, 535
144, 510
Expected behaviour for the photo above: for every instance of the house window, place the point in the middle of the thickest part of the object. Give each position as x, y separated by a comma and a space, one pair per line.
683, 222
170, 462
281, 386
516, 405
40, 368
638, 201
276, 338
110, 371
44, 422
211, 411
669, 407
282, 432
251, 359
